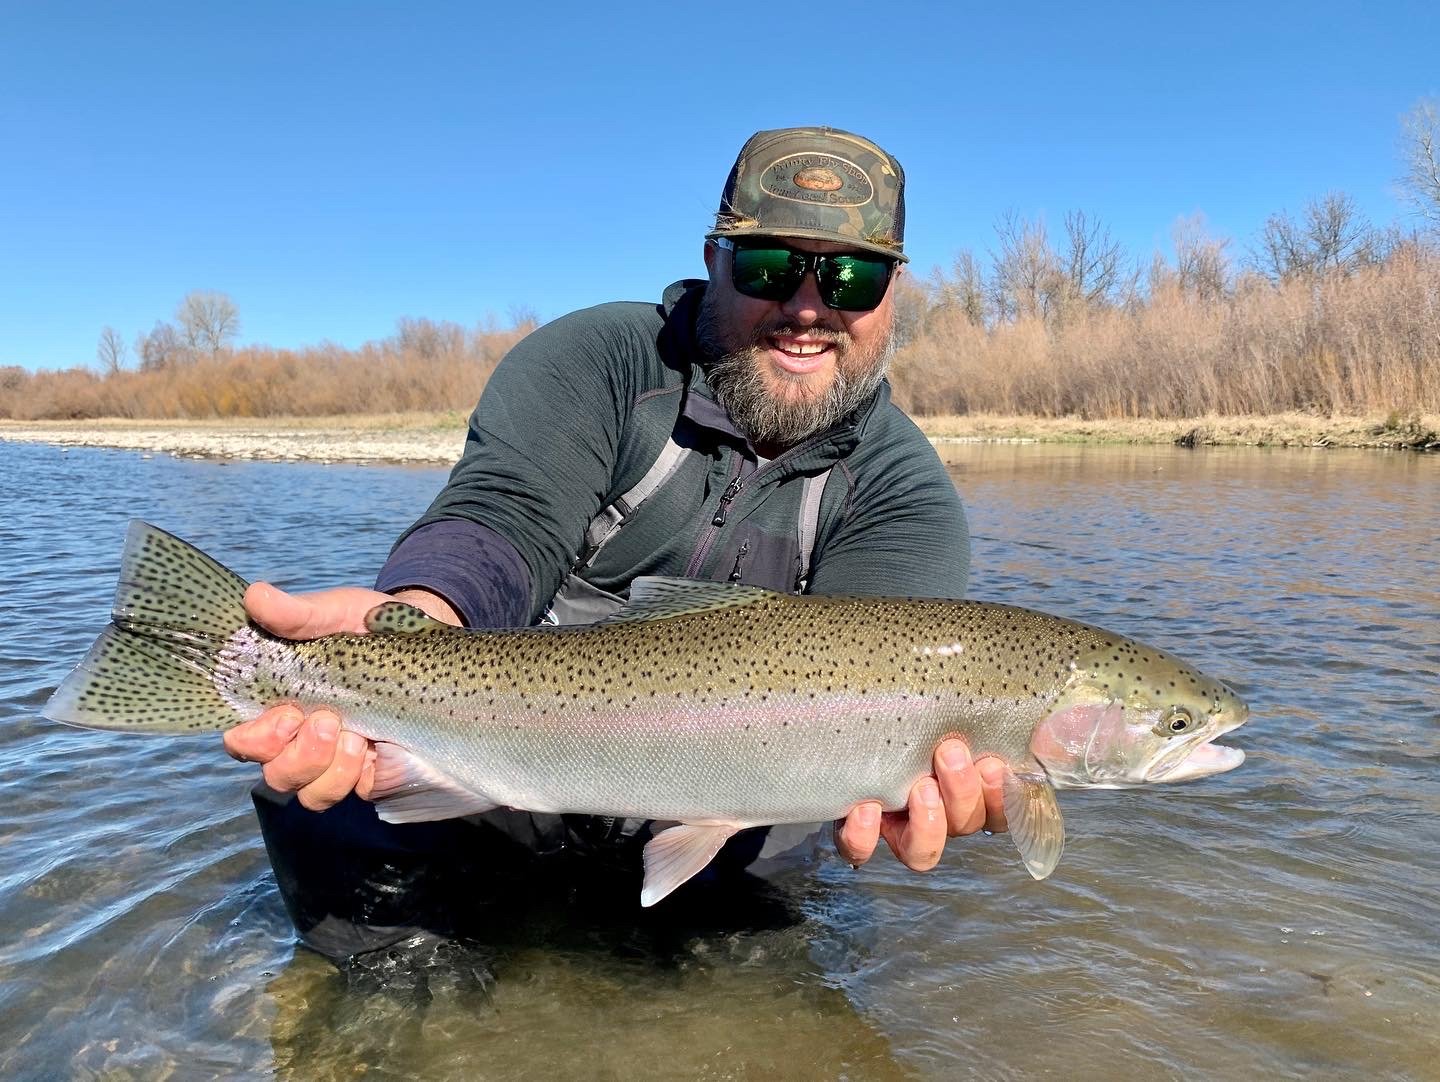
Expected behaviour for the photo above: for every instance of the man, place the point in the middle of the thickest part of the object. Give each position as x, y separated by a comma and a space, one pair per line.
742, 430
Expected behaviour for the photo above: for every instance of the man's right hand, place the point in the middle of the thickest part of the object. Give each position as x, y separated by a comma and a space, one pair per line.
312, 756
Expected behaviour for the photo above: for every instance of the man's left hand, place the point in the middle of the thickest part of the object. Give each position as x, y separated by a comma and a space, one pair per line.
962, 797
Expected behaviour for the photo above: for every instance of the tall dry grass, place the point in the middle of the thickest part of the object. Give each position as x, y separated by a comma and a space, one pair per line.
1358, 343
1362, 342
425, 366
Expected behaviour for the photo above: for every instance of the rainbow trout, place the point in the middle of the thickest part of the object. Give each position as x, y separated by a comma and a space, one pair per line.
715, 706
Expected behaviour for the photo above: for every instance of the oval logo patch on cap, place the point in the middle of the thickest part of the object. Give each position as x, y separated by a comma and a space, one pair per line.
817, 178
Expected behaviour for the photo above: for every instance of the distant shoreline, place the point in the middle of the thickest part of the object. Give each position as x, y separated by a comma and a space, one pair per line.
438, 438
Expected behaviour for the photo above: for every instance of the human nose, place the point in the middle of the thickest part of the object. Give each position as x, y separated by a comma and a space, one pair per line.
805, 306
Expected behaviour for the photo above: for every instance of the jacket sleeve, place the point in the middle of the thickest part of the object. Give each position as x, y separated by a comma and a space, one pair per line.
902, 531
540, 449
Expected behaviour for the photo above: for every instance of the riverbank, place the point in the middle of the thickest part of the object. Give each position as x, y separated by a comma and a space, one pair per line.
437, 438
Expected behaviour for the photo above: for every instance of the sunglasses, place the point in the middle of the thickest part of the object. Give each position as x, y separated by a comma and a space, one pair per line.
770, 271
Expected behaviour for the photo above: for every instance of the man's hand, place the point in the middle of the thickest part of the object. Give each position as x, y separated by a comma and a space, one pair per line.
311, 756
961, 798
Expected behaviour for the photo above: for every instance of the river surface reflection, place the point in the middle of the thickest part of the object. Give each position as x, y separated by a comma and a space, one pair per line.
1278, 921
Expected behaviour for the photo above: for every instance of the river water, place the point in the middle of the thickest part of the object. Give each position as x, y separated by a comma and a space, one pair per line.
1282, 920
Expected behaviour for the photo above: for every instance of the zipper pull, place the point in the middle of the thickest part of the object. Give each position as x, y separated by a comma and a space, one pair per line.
739, 559
726, 498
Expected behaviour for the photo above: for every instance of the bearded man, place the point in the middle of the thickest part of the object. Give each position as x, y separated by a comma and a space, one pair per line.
741, 430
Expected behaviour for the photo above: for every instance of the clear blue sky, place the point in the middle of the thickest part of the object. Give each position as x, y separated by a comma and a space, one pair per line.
333, 167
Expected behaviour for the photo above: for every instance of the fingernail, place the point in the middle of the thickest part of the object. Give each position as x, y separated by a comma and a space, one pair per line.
352, 743
289, 725
930, 794
327, 727
867, 815
955, 756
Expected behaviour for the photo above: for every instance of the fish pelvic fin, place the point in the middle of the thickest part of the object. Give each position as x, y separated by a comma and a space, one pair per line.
153, 669
676, 855
1034, 821
407, 789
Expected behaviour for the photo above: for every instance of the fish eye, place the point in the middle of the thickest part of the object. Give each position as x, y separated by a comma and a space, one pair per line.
1175, 721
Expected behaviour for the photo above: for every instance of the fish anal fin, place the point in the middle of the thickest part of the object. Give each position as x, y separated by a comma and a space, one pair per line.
407, 789
675, 855
398, 618
1034, 821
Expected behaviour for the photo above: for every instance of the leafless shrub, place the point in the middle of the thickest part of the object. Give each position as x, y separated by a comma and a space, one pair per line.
1420, 152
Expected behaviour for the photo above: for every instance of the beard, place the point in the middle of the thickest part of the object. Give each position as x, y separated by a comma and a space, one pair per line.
737, 376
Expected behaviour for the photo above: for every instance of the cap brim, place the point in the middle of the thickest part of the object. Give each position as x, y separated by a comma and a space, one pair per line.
808, 234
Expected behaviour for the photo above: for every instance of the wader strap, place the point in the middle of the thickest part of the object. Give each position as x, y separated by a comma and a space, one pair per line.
603, 526
811, 493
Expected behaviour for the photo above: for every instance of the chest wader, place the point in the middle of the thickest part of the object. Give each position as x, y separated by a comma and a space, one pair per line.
354, 884
579, 601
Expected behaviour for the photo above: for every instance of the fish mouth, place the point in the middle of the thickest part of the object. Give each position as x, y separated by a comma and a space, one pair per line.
1198, 762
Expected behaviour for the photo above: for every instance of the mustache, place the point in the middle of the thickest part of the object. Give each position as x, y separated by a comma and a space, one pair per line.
784, 328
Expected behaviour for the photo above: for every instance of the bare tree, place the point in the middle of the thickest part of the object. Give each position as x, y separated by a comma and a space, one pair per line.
1092, 263
1421, 154
208, 321
963, 290
1334, 237
1341, 238
1202, 266
111, 351
160, 348
1281, 251
1028, 278
911, 304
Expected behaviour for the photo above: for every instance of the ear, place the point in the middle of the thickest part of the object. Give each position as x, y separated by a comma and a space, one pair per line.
712, 253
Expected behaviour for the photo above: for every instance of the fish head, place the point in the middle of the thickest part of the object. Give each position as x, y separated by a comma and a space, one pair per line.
1133, 715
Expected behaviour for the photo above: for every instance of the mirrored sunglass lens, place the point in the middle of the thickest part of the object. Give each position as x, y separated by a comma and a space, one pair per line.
849, 283
769, 273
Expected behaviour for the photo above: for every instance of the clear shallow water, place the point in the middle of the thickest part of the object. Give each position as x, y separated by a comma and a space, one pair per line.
1282, 920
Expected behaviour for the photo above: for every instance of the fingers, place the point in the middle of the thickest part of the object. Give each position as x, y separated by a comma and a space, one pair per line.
992, 789
263, 738
321, 764
339, 778
960, 789
857, 835
917, 835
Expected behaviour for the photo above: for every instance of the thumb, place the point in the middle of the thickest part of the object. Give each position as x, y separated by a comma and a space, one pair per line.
286, 615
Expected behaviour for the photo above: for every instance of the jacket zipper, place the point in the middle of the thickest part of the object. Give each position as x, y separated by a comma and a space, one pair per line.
707, 539
740, 559
722, 510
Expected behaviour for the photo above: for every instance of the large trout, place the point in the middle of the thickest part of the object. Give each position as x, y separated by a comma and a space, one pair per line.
717, 707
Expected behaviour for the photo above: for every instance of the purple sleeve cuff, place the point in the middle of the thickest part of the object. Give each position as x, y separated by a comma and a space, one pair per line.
471, 566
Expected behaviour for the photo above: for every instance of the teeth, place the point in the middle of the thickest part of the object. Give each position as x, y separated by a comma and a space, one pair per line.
801, 349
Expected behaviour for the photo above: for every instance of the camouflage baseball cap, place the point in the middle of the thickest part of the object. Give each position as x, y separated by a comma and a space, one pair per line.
817, 183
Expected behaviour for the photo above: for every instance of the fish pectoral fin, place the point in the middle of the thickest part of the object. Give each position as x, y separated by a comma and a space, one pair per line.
1034, 821
675, 855
398, 618
409, 790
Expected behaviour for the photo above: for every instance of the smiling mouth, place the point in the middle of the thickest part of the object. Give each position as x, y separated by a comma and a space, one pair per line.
799, 355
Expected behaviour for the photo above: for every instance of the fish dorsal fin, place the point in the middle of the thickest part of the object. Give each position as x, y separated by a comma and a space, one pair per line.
398, 618
657, 597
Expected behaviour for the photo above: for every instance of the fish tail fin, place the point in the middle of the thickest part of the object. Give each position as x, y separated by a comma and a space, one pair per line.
159, 666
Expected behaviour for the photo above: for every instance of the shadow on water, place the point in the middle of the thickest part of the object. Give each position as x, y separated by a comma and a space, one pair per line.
561, 975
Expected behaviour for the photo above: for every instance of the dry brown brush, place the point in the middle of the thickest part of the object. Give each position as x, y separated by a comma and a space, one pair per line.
425, 366
1361, 342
